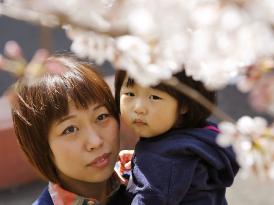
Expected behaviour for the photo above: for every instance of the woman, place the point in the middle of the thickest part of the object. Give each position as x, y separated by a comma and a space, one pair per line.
67, 125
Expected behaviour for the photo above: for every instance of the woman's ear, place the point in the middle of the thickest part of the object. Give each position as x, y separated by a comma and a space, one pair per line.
184, 109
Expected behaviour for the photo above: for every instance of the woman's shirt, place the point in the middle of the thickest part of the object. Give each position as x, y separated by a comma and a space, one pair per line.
54, 194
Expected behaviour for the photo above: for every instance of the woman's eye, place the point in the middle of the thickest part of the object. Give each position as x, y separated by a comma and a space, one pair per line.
102, 117
69, 130
131, 94
155, 97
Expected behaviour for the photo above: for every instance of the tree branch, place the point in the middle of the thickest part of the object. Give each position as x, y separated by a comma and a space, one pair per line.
55, 19
195, 95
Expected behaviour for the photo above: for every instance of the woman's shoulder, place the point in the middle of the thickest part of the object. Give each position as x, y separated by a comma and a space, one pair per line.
120, 197
44, 198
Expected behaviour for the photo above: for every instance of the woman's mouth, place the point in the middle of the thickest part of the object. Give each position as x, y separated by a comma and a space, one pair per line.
101, 161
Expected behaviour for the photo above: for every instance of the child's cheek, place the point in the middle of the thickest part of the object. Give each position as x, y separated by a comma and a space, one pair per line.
124, 106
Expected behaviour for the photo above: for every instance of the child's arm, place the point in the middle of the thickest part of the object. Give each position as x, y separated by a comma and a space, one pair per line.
157, 180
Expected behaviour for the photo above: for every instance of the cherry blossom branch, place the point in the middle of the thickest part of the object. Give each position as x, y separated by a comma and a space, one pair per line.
195, 95
28, 15
252, 140
55, 19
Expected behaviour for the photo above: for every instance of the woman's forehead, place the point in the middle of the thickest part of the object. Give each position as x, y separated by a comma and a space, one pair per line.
72, 105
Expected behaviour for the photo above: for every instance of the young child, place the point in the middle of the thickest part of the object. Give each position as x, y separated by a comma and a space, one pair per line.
68, 126
176, 160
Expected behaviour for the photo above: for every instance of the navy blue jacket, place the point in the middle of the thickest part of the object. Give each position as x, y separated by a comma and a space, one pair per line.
118, 198
182, 166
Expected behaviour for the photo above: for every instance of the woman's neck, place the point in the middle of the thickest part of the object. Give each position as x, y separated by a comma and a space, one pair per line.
86, 189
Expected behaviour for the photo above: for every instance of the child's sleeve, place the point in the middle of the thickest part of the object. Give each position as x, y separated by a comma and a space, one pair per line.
158, 180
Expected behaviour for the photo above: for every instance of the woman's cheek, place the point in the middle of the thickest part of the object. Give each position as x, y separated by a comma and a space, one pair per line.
115, 130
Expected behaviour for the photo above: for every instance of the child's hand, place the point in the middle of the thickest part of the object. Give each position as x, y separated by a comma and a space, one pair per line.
123, 166
125, 160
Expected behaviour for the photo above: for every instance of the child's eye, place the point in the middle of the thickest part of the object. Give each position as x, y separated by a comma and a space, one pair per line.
155, 97
102, 117
131, 94
69, 130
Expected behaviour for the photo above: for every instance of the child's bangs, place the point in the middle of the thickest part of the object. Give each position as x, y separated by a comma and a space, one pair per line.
130, 82
162, 87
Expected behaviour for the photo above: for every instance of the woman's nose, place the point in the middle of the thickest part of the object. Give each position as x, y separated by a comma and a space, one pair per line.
140, 107
93, 140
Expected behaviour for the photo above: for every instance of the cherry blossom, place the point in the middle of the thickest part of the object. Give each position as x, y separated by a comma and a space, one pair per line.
218, 42
208, 38
252, 140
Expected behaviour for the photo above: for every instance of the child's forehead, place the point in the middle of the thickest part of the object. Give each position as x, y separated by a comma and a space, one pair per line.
130, 83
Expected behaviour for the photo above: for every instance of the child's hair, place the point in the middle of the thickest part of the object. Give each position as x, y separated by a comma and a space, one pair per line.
196, 114
43, 100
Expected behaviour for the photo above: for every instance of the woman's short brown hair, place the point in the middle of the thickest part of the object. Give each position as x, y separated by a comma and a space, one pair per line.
40, 102
196, 114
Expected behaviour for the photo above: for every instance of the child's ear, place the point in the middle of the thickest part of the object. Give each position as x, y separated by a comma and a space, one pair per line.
184, 109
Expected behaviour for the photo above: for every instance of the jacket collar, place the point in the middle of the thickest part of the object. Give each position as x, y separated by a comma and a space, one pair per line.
61, 196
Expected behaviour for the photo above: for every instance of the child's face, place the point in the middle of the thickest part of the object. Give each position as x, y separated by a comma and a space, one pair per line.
85, 143
149, 112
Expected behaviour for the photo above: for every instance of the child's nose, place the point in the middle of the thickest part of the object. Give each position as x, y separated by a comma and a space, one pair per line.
140, 107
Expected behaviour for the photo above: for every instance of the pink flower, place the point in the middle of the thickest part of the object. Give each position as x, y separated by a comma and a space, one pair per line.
262, 96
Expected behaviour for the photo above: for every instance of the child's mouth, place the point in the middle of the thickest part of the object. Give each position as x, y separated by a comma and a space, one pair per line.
139, 122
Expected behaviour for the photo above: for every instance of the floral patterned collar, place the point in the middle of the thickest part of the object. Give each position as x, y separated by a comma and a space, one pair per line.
61, 196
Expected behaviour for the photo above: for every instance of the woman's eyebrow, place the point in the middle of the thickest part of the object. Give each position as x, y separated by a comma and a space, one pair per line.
62, 119
65, 118
98, 106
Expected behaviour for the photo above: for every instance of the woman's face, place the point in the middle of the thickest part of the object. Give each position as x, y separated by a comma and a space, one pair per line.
85, 143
